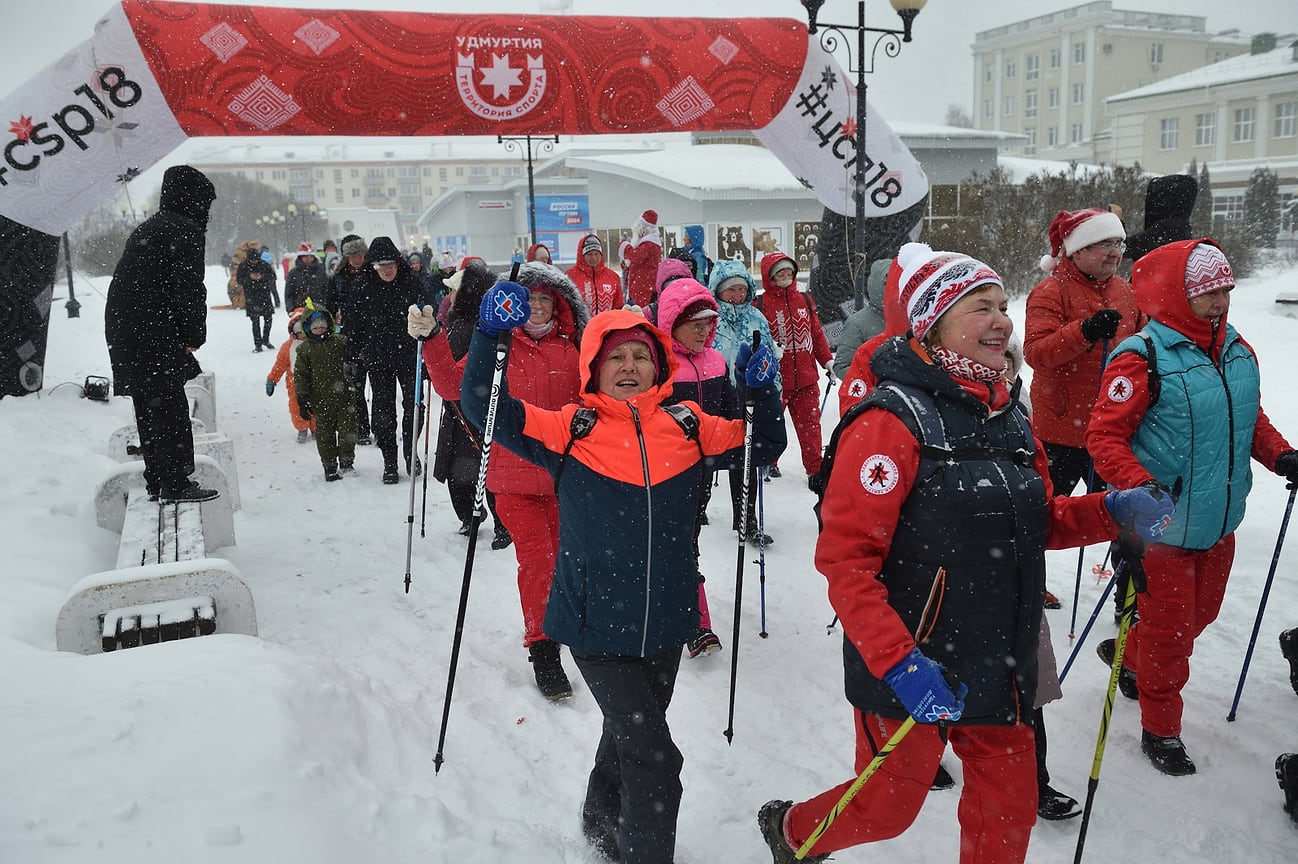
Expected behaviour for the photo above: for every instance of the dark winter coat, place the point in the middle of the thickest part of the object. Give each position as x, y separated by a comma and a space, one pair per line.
340, 298
1169, 201
305, 281
157, 303
625, 581
260, 296
319, 378
377, 322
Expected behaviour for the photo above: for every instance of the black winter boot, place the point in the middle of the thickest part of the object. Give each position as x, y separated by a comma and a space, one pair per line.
942, 778
390, 475
550, 677
1126, 678
331, 473
190, 492
1289, 648
771, 820
1166, 754
1286, 771
1055, 806
501, 539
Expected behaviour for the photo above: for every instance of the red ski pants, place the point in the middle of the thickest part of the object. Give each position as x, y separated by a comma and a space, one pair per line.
1185, 591
998, 804
804, 408
533, 522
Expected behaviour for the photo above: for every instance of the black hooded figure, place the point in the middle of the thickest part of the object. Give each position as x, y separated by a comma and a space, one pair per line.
154, 319
382, 292
1169, 201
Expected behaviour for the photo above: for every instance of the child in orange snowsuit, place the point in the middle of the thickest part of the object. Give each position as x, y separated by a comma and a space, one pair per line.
284, 367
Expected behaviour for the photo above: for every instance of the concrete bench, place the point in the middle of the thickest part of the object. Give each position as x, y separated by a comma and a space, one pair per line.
201, 392
123, 446
216, 516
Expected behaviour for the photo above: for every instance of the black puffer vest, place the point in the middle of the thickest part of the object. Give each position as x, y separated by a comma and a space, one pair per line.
966, 569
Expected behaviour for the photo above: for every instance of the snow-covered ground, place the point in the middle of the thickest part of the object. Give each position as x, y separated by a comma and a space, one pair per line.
314, 743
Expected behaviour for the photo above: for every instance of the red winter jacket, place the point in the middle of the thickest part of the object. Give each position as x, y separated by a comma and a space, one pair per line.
641, 264
1065, 366
795, 328
600, 287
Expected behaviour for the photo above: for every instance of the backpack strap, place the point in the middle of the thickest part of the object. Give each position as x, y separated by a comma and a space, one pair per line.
583, 423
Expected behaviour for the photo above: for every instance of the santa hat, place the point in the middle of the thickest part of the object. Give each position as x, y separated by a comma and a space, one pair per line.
1072, 230
650, 217
1206, 270
932, 282
306, 249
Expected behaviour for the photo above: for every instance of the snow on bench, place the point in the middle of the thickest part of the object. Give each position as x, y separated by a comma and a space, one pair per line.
165, 621
124, 446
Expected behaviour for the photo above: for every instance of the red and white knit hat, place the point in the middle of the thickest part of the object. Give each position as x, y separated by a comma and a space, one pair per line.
1206, 269
1071, 230
932, 282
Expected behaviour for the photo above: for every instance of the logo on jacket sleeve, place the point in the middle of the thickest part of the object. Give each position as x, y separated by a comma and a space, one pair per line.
856, 387
879, 475
1120, 389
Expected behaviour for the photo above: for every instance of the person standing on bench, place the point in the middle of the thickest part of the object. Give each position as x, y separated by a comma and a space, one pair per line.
155, 318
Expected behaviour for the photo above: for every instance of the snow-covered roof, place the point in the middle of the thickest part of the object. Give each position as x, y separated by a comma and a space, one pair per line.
913, 133
1020, 168
1246, 67
686, 170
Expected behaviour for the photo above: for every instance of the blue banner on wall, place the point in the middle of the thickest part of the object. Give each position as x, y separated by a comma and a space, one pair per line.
562, 213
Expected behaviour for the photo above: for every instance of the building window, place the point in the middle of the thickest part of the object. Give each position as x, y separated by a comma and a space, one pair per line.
441, 174
261, 175
319, 174
1079, 91
338, 175
428, 172
1156, 53
1286, 120
1052, 136
1032, 67
1075, 134
1031, 147
392, 192
1243, 125
338, 196
989, 71
1079, 52
391, 172
477, 172
1010, 67
1205, 129
1009, 106
1227, 208
1052, 97
1055, 58
459, 170
987, 108
1169, 133
1030, 104
356, 192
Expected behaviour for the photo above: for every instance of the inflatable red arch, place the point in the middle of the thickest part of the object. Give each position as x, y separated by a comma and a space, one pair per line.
156, 73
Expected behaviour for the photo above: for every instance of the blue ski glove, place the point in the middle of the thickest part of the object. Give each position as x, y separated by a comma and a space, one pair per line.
504, 307
270, 387
758, 367
921, 687
1146, 510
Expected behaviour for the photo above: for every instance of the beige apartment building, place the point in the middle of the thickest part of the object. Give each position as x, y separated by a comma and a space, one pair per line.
1236, 116
1047, 78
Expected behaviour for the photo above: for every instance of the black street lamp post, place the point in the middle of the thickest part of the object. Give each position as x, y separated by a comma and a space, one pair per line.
830, 34
545, 144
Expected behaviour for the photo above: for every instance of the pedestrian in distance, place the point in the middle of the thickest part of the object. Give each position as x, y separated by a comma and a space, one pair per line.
307, 279
342, 300
1180, 406
600, 287
542, 370
155, 318
936, 518
625, 595
640, 257
283, 368
257, 277
324, 380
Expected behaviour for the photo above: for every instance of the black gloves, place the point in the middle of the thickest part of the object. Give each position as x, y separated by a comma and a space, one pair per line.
304, 409
1286, 465
1101, 326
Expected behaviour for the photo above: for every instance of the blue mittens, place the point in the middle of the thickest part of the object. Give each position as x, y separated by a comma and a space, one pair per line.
270, 387
504, 307
758, 367
919, 684
1146, 510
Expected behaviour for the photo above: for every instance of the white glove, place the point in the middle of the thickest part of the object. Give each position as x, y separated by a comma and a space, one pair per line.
420, 323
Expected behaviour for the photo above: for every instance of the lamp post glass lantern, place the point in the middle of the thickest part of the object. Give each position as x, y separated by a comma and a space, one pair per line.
545, 144
831, 36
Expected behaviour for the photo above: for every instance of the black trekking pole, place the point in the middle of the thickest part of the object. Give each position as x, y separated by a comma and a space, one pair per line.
419, 417
1095, 613
761, 553
739, 562
1090, 478
479, 512
423, 506
1261, 606
829, 628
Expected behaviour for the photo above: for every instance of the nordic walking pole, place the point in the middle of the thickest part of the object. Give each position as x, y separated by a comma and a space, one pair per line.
1090, 478
423, 507
829, 385
1095, 613
761, 552
746, 487
1261, 606
479, 510
884, 751
414, 445
1120, 647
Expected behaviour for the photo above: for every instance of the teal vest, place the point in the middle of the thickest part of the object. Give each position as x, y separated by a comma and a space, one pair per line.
1200, 431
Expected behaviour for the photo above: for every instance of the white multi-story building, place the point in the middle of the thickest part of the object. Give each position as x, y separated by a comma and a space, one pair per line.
1047, 78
